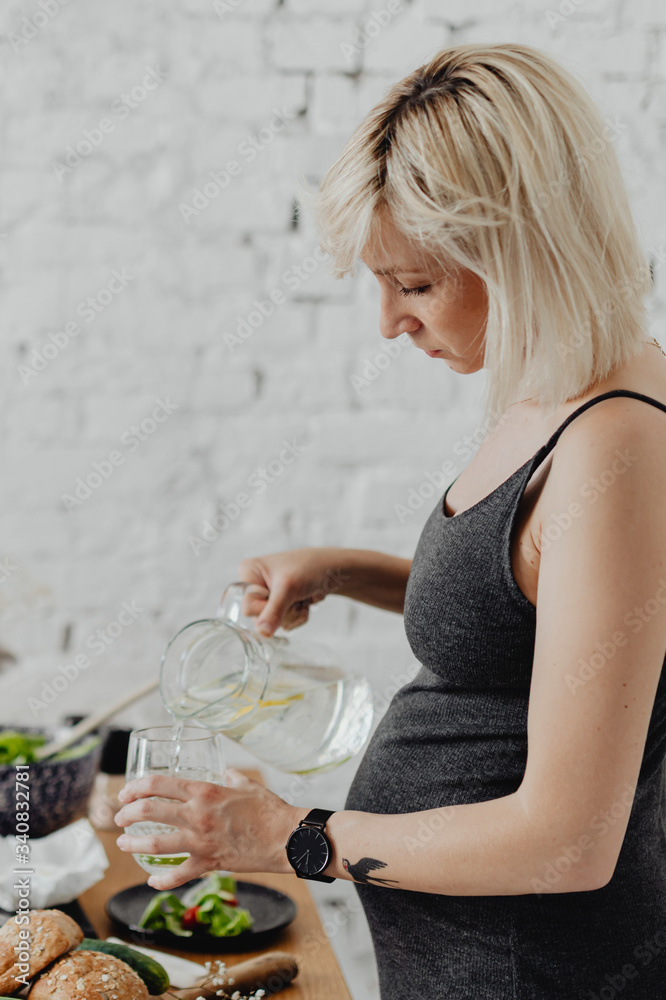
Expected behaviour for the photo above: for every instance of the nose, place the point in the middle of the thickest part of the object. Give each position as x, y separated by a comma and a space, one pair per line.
395, 317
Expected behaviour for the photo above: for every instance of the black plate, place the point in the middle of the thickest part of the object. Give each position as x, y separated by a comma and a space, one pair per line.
271, 910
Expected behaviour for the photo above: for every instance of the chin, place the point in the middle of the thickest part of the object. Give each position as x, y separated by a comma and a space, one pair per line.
457, 365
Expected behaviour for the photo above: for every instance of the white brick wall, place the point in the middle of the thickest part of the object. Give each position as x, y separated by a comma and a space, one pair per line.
322, 65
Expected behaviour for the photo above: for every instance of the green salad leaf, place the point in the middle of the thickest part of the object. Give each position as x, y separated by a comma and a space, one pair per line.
223, 886
221, 919
164, 913
210, 907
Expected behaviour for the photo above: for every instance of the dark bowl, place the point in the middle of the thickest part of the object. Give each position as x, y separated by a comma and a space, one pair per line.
59, 789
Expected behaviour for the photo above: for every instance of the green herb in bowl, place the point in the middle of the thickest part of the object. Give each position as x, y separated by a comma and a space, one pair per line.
20, 748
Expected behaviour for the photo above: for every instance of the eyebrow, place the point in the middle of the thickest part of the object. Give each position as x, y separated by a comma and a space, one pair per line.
395, 270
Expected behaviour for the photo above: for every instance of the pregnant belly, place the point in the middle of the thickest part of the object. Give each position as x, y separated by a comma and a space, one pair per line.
436, 747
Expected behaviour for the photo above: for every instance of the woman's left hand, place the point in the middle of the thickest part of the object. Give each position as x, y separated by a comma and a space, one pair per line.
241, 826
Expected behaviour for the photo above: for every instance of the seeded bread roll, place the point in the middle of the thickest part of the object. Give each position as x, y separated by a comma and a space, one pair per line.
88, 975
52, 933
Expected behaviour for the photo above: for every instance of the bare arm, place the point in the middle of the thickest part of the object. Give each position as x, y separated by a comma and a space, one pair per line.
374, 577
294, 579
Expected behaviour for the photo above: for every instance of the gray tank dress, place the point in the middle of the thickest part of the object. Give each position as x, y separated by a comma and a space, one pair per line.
458, 733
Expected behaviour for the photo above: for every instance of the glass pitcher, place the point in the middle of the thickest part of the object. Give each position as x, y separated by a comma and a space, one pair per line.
284, 700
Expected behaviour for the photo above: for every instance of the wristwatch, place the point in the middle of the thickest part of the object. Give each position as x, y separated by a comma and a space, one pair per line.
309, 849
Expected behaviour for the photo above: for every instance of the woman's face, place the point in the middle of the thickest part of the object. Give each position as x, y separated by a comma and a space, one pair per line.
444, 315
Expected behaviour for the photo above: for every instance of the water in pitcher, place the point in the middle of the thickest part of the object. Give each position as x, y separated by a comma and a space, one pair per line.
307, 719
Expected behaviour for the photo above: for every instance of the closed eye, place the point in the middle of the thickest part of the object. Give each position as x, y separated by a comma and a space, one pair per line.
419, 290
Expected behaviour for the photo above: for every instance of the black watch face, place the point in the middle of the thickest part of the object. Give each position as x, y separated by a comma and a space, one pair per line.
308, 851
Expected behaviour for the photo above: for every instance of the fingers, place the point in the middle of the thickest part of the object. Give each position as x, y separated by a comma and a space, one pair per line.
254, 600
154, 844
284, 576
252, 604
166, 786
276, 606
154, 810
296, 614
178, 876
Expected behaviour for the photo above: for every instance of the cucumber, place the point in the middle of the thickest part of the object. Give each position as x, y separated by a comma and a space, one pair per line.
152, 973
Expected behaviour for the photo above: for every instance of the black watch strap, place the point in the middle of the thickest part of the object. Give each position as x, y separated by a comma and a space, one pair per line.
317, 818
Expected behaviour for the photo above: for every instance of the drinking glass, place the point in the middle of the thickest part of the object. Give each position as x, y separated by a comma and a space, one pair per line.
191, 753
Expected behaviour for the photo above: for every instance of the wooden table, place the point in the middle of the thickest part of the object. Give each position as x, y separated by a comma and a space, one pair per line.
319, 976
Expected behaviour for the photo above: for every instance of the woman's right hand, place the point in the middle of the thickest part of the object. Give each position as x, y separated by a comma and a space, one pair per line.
294, 579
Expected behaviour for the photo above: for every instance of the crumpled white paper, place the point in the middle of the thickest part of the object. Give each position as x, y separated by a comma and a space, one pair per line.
66, 863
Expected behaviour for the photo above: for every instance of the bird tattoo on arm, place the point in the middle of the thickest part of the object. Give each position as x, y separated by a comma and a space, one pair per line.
359, 871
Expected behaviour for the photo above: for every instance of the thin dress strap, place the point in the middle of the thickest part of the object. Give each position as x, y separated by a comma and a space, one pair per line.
552, 440
521, 476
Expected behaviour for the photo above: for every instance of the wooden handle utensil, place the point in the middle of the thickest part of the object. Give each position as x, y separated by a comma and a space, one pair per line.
270, 972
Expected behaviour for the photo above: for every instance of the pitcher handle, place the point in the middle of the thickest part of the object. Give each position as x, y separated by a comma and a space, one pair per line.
230, 604
230, 608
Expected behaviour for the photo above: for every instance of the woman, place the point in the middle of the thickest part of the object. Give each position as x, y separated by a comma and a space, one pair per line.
504, 827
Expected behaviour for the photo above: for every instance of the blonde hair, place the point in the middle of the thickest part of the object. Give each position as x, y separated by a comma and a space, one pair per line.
494, 158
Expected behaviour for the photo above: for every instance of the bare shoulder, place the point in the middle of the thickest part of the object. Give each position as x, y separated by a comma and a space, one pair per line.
619, 440
626, 417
